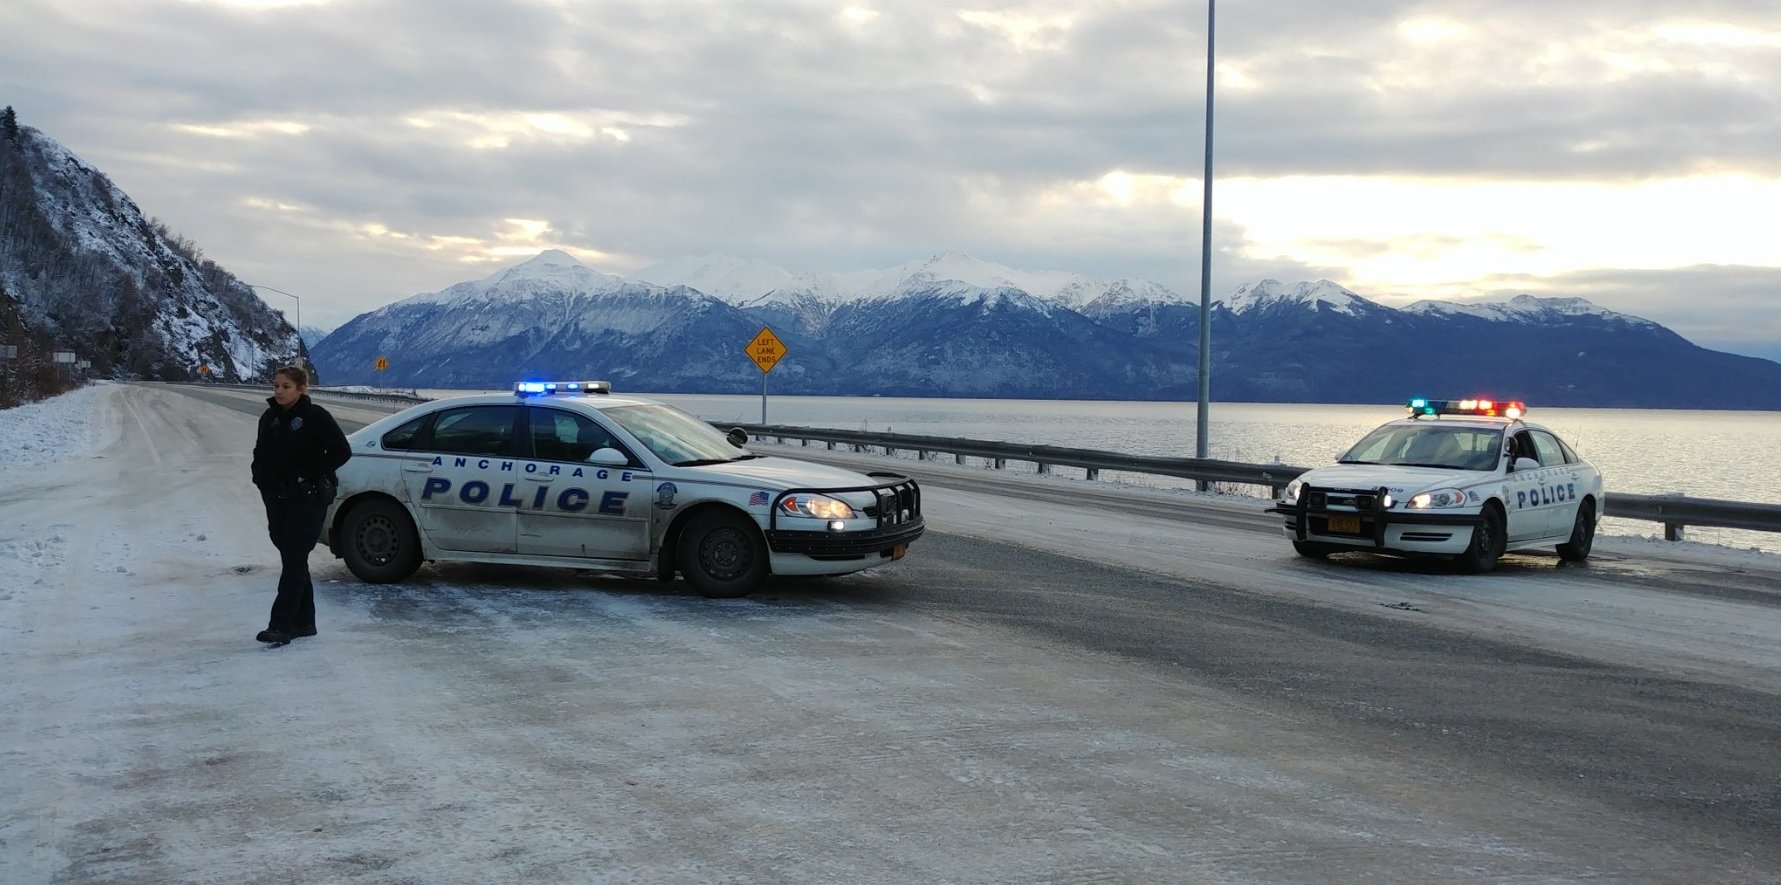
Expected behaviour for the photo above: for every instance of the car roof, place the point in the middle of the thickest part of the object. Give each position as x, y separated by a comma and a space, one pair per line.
1477, 421
590, 400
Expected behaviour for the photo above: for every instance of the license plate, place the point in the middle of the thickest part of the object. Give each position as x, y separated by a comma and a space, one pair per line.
1344, 525
898, 551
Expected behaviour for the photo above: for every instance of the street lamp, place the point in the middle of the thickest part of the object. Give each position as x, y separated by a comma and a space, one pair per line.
296, 314
1204, 413
296, 320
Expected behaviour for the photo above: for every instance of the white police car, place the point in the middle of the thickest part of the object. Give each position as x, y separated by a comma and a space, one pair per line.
570, 474
1462, 478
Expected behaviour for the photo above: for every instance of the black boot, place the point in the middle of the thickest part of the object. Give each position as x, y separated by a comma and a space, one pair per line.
274, 638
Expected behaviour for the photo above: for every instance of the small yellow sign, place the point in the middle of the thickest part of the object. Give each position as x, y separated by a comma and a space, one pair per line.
203, 368
766, 349
381, 364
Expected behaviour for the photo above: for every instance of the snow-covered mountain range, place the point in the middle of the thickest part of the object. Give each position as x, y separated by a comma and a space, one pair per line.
952, 325
82, 268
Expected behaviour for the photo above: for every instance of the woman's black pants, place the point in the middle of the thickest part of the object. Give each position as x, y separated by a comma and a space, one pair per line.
295, 526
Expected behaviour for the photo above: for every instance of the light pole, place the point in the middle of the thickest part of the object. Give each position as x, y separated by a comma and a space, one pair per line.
1204, 416
297, 323
296, 318
296, 314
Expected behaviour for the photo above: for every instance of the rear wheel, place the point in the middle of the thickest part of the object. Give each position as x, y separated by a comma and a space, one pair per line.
379, 543
1582, 535
1488, 540
722, 555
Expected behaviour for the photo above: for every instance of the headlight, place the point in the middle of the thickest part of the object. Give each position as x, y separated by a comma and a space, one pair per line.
1438, 499
817, 506
1292, 492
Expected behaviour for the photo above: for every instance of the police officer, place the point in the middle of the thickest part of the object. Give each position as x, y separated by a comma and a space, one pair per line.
298, 449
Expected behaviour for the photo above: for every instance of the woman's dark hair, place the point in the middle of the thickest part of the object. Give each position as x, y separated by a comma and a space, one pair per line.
298, 375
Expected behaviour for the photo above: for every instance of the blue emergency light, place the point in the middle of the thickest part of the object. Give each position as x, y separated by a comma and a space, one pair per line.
560, 388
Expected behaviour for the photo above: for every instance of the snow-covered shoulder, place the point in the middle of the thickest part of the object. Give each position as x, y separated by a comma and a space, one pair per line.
54, 429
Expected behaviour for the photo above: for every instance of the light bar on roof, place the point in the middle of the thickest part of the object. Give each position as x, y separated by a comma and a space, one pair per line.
1485, 408
560, 388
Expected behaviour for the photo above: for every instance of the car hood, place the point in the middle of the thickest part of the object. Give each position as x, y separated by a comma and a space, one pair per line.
785, 473
1399, 480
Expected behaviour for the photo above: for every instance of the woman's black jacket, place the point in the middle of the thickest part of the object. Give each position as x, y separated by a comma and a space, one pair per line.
303, 443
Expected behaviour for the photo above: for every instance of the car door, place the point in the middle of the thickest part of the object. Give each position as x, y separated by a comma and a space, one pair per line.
574, 508
1559, 482
457, 493
1527, 517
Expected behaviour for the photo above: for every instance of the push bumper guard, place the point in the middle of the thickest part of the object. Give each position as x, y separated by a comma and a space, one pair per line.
897, 510
1311, 516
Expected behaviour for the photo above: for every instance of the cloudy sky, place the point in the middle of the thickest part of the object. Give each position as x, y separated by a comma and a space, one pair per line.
355, 152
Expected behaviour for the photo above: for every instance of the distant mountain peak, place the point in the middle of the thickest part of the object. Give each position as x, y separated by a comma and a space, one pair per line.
549, 264
735, 280
1267, 293
551, 257
1522, 308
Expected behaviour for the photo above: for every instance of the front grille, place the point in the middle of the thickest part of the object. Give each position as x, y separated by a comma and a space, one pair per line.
1358, 499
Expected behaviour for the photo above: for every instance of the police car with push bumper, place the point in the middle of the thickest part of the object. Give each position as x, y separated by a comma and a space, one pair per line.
1470, 479
571, 474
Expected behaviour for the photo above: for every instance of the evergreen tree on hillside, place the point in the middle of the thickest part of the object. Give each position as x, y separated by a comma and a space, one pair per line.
9, 124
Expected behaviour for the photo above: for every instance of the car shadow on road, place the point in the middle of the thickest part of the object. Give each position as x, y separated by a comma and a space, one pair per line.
451, 595
1531, 562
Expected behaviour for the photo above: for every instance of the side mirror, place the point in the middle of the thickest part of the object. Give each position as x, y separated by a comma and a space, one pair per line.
1525, 464
608, 457
737, 437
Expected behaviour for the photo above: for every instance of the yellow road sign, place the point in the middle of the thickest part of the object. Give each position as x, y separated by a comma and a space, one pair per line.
765, 349
381, 364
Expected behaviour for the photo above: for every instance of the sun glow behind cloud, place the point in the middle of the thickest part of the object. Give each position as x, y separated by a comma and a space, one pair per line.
497, 130
243, 128
260, 4
1029, 32
1397, 233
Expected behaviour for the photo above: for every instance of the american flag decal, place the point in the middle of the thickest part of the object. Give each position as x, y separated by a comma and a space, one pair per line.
757, 498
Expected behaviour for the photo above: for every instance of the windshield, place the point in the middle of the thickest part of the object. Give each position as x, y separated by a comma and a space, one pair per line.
1429, 445
673, 435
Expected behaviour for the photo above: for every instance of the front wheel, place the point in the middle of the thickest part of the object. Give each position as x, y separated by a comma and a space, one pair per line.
1488, 541
1310, 550
722, 555
379, 543
1582, 535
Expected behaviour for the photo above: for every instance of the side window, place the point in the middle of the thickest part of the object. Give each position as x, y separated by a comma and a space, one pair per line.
558, 435
1547, 445
1522, 446
1570, 455
403, 438
474, 430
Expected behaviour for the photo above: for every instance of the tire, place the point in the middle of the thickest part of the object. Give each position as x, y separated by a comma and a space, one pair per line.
1488, 541
1582, 534
1310, 550
379, 543
722, 555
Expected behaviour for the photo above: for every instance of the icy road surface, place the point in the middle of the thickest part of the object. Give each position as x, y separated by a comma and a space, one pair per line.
1062, 683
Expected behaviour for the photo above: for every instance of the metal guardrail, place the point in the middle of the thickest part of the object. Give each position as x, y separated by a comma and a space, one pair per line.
1674, 511
1274, 476
386, 396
